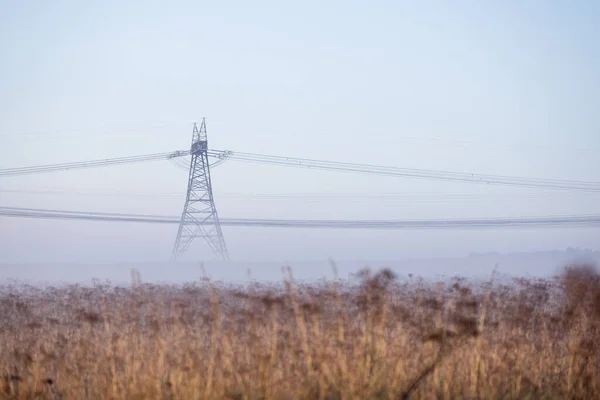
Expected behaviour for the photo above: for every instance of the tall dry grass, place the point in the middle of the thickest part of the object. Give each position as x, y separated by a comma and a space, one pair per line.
377, 338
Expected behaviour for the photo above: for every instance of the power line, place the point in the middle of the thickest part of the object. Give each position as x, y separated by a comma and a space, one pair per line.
221, 156
298, 196
437, 175
541, 221
183, 162
180, 164
173, 157
321, 198
91, 163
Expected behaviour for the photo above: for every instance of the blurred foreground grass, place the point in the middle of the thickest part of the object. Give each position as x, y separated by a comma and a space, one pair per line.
376, 338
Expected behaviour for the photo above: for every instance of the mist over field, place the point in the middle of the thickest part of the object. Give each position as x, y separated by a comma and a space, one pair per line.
475, 267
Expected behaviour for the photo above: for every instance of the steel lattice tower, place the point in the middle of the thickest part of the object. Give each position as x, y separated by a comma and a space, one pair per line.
199, 217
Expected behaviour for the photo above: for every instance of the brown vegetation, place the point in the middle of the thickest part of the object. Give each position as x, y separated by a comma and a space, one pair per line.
375, 339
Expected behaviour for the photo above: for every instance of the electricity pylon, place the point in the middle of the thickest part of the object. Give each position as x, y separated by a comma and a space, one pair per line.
199, 217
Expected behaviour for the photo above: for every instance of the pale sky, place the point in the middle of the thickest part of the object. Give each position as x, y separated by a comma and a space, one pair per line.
508, 88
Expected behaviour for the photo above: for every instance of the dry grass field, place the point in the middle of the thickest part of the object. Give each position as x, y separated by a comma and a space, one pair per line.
373, 338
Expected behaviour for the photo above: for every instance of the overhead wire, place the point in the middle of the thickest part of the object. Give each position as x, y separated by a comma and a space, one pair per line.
557, 220
438, 175
172, 157
36, 169
183, 162
179, 164
320, 198
221, 156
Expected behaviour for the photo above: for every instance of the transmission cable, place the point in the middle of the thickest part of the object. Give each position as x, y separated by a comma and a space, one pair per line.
438, 175
91, 163
542, 221
323, 165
